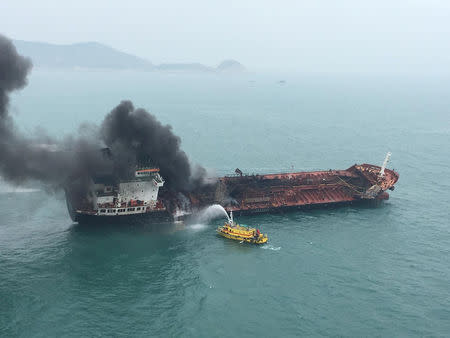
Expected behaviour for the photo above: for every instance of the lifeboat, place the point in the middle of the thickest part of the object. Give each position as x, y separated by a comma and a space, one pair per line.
241, 233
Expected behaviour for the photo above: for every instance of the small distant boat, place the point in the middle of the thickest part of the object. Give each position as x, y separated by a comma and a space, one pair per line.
241, 233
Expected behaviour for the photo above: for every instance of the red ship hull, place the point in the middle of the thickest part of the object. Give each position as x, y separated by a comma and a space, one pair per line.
249, 194
302, 190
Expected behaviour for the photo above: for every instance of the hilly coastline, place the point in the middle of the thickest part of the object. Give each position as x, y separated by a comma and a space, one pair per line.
94, 55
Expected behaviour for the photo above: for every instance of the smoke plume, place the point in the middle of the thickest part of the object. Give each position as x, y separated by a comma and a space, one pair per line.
134, 136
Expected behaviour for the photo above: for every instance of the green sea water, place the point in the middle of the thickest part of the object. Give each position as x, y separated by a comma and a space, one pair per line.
349, 271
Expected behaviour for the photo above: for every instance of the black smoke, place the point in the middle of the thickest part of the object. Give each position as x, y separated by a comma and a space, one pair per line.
39, 157
13, 72
137, 137
134, 136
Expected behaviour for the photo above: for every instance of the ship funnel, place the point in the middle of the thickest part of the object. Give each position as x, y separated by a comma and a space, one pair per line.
386, 160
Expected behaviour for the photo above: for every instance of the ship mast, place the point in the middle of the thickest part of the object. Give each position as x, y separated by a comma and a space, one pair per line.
386, 160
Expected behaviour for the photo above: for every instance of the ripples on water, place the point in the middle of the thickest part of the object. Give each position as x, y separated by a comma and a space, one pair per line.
361, 266
352, 271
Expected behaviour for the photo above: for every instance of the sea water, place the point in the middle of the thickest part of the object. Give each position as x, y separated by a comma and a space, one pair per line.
350, 271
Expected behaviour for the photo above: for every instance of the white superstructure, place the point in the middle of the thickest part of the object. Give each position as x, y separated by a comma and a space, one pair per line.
138, 195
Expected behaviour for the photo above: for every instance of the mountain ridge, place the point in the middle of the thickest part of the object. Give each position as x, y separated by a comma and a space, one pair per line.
95, 55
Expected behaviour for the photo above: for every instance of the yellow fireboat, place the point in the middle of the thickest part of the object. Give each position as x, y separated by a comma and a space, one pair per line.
241, 233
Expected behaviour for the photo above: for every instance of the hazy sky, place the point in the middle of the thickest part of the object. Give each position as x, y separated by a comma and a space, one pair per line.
316, 35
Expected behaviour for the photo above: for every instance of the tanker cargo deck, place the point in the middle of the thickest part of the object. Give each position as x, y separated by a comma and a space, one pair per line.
247, 194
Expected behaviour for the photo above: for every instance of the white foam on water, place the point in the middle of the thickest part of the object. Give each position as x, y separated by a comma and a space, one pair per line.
197, 227
6, 188
17, 190
271, 247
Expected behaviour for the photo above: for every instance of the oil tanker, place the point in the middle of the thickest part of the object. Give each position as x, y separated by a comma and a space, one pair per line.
144, 198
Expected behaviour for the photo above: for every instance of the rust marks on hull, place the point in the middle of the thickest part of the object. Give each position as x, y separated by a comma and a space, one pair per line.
271, 192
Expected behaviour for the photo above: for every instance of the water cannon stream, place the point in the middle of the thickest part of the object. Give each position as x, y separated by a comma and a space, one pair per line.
212, 212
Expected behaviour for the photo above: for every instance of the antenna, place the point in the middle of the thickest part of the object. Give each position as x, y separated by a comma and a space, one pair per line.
386, 160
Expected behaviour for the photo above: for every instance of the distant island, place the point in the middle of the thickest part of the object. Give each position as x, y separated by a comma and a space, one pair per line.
79, 55
94, 55
231, 66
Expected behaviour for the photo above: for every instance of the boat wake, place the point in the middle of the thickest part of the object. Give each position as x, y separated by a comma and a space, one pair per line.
271, 247
6, 188
9, 190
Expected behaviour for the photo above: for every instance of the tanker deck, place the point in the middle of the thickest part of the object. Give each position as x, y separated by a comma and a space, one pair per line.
246, 194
